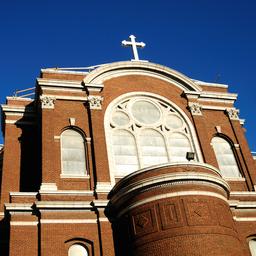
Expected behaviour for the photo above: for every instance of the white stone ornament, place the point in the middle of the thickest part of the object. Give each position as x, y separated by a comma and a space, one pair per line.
232, 113
134, 46
95, 102
47, 102
195, 108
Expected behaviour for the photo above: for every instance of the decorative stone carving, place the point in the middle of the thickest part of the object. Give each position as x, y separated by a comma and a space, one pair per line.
47, 102
72, 121
144, 222
232, 113
170, 214
195, 108
95, 102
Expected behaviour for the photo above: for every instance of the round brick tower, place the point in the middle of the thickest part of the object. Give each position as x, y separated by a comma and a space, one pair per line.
173, 209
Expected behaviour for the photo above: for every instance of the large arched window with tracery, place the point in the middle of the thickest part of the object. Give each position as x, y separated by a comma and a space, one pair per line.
143, 131
225, 158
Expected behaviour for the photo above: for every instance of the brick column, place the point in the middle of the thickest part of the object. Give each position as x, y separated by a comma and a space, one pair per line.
48, 147
11, 163
204, 140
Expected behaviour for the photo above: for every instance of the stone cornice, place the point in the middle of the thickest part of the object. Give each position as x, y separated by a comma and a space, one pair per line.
121, 194
218, 97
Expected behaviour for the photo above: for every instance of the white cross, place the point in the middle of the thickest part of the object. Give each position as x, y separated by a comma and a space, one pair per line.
134, 46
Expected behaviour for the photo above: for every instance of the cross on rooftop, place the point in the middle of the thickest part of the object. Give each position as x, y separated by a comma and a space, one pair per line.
134, 46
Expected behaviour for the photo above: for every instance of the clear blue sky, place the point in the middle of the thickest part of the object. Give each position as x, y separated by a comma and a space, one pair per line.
200, 38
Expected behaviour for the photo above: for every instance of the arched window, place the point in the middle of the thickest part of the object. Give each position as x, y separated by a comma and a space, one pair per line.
72, 153
143, 131
252, 246
225, 158
77, 250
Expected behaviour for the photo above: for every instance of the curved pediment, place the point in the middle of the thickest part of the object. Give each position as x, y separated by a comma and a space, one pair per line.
117, 69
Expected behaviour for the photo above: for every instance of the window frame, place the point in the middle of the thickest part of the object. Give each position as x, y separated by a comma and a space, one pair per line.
134, 96
69, 175
231, 144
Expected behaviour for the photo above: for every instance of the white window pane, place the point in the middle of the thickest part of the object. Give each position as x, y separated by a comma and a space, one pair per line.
125, 152
72, 153
120, 118
152, 146
179, 145
174, 122
145, 112
225, 158
252, 245
77, 250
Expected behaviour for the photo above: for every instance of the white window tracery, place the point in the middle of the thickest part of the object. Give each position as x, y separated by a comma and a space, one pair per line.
225, 158
143, 131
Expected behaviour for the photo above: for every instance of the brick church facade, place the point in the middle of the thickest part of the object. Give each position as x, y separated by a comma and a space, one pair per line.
129, 158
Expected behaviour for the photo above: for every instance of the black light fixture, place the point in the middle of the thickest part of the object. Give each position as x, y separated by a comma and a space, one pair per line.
190, 156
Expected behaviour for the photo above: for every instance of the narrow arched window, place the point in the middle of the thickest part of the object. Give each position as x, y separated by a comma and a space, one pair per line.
252, 246
225, 158
73, 153
77, 250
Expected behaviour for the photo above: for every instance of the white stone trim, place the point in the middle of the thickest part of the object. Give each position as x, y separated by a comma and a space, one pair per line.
94, 87
18, 122
67, 97
103, 187
209, 84
69, 176
18, 206
23, 223
102, 219
242, 204
234, 178
68, 192
64, 204
169, 178
17, 109
95, 101
20, 114
100, 203
48, 187
60, 83
195, 108
47, 102
208, 96
171, 195
23, 194
180, 164
242, 121
68, 221
99, 75
243, 193
244, 218
19, 98
233, 113
61, 71
209, 107
60, 90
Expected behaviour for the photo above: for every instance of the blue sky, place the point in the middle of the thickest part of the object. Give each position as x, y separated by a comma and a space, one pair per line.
213, 41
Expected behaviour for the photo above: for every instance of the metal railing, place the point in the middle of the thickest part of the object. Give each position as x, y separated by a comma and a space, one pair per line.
25, 93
